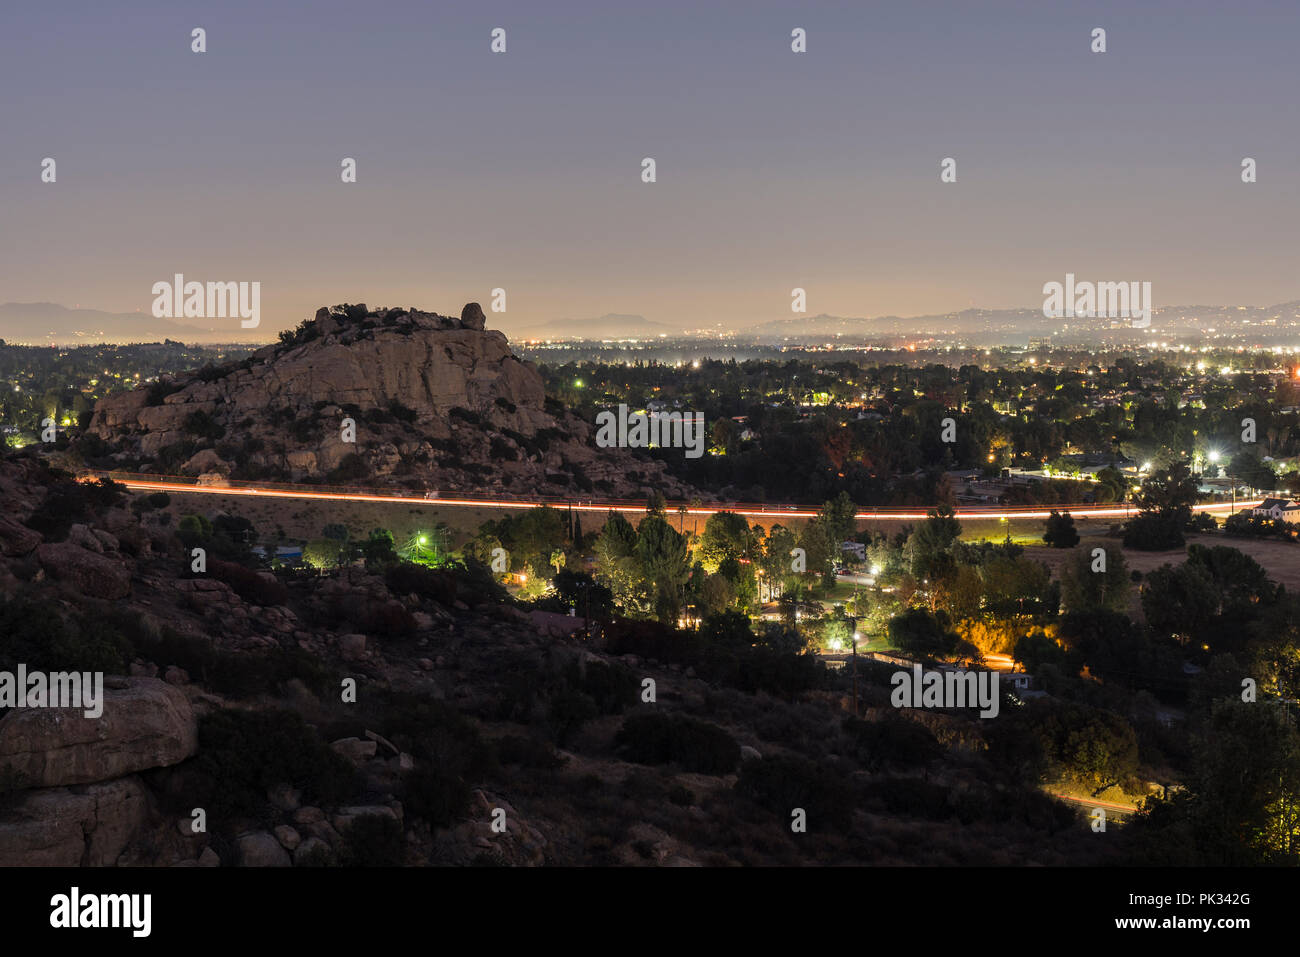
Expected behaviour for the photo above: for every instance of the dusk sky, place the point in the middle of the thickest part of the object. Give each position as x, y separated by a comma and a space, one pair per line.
522, 170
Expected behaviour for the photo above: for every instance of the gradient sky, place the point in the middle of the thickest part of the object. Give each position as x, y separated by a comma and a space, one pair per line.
522, 170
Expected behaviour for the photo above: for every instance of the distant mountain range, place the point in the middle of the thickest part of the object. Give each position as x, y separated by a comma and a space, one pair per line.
1012, 325
48, 323
609, 326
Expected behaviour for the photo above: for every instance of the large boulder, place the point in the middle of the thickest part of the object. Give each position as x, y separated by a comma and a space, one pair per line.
146, 723
17, 539
260, 849
70, 827
92, 574
471, 317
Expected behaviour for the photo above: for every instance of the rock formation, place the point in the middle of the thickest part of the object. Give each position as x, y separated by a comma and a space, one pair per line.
434, 401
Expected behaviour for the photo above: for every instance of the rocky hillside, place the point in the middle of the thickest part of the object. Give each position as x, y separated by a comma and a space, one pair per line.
225, 692
437, 402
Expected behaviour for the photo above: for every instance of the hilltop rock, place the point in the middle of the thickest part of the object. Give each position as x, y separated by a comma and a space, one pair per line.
439, 401
471, 317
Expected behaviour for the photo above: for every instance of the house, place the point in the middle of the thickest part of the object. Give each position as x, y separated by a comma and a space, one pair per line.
1278, 509
1019, 681
855, 549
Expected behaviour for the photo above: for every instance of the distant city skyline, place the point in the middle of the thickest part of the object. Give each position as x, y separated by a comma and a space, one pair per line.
522, 170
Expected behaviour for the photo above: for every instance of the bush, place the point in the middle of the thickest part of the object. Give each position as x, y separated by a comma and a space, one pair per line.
696, 745
68, 502
780, 784
204, 426
373, 840
35, 635
503, 451
401, 412
914, 798
894, 742
568, 711
242, 753
435, 584
257, 588
527, 752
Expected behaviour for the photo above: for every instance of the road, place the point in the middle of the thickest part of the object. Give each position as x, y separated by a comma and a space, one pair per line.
317, 493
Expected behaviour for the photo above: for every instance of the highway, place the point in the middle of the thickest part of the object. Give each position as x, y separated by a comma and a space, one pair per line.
179, 484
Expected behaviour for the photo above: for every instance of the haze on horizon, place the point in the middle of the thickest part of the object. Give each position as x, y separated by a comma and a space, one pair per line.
522, 170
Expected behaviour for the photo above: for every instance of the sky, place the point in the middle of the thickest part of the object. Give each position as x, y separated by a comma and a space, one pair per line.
522, 170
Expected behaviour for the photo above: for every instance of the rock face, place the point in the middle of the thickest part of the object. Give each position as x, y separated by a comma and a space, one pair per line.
70, 827
89, 572
146, 724
17, 539
441, 401
428, 363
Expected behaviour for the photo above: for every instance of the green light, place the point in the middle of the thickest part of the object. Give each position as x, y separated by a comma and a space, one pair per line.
423, 540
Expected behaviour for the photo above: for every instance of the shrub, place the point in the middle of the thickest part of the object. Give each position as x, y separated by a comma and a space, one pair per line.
242, 753
527, 752
914, 797
696, 745
503, 451
257, 588
351, 467
780, 784
894, 742
68, 502
568, 711
204, 426
431, 583
373, 840
401, 412
38, 637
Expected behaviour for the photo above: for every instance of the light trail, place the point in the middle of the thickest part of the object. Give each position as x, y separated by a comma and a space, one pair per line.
756, 511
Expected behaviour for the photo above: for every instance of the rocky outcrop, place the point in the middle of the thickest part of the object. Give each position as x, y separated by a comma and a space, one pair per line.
472, 841
471, 317
89, 572
17, 539
395, 395
426, 362
146, 723
70, 827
